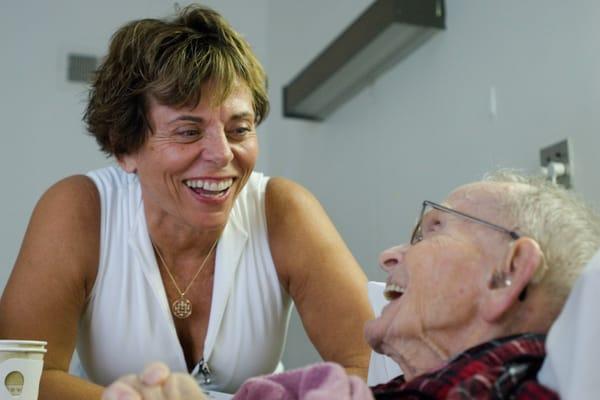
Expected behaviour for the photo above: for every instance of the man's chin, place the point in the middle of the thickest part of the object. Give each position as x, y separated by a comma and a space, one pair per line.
374, 334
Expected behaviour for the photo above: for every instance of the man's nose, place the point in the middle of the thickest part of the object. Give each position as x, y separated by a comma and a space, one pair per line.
217, 148
392, 257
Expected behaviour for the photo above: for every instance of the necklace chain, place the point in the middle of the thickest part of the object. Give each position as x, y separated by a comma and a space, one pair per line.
182, 307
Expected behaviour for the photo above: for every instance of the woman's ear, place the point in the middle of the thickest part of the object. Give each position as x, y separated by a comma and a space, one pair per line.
128, 163
508, 283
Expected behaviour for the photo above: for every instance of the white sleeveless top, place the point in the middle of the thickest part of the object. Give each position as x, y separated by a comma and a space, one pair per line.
127, 322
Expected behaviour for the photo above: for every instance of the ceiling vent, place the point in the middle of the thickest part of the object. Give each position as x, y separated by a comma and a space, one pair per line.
81, 67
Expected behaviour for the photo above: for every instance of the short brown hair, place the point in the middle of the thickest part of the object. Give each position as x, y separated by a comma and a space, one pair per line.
167, 60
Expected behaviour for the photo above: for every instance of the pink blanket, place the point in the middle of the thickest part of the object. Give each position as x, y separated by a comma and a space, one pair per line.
322, 381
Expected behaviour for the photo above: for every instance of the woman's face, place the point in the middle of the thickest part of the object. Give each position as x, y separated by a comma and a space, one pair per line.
195, 161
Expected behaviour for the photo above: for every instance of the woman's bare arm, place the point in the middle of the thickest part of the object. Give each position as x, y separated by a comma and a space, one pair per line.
51, 280
328, 286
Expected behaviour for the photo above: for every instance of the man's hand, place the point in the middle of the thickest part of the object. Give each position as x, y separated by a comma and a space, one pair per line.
156, 382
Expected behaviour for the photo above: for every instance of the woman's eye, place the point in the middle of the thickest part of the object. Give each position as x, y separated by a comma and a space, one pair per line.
188, 135
240, 132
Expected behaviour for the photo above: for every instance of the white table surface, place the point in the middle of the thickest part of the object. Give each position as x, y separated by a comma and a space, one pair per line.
219, 396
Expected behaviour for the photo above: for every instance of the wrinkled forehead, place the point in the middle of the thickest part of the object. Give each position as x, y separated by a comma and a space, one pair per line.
479, 199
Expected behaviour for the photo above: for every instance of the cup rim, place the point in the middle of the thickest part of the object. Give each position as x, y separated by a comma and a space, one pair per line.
22, 350
23, 342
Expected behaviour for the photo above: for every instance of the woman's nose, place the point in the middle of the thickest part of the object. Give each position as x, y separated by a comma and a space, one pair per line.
392, 257
217, 149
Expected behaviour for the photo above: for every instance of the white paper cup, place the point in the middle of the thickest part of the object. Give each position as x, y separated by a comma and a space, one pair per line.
21, 364
23, 343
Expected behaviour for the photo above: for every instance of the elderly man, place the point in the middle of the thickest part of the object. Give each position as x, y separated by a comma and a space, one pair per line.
471, 296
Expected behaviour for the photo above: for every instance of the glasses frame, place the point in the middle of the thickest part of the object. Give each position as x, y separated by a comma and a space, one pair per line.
513, 235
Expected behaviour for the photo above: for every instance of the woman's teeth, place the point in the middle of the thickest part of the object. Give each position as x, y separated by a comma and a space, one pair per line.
210, 185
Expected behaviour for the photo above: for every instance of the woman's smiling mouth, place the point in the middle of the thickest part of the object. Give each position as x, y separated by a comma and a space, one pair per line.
214, 188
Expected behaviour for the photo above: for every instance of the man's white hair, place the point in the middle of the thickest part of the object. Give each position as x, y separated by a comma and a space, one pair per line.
565, 227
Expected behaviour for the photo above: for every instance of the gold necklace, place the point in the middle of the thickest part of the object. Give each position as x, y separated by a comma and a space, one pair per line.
182, 307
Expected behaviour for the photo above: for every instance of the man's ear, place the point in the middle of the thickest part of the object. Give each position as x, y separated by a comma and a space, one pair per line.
508, 282
128, 163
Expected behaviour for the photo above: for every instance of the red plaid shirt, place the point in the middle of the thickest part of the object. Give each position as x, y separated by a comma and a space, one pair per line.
501, 369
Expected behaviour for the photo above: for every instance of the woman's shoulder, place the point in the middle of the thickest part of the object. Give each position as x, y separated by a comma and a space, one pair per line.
63, 232
286, 196
295, 219
71, 205
71, 193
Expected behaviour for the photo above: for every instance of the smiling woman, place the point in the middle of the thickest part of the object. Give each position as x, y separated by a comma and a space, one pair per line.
182, 253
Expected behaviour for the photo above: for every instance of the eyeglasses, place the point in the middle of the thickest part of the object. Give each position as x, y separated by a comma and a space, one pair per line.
417, 234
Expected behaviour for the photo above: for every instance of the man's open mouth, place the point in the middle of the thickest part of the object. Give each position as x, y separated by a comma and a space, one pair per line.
393, 292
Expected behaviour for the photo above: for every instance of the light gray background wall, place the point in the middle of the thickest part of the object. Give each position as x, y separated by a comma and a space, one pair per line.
418, 131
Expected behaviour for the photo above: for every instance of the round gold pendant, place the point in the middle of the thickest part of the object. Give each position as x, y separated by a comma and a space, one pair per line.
182, 308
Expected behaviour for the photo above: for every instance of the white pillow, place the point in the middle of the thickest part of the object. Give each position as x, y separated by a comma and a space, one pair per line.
573, 347
381, 368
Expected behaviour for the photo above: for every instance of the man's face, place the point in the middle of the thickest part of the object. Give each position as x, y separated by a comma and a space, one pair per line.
436, 285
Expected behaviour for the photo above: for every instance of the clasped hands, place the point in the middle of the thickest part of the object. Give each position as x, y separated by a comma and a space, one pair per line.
156, 382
